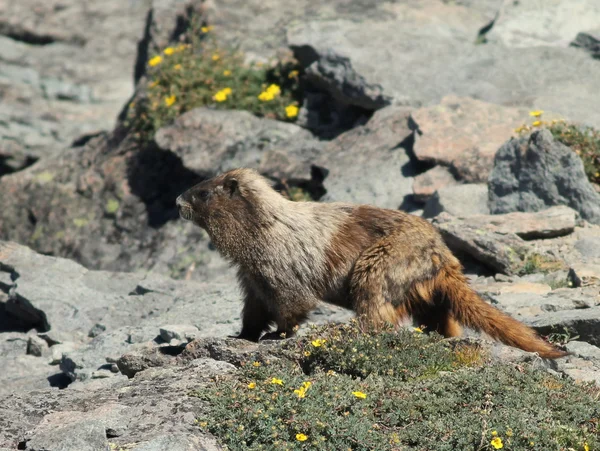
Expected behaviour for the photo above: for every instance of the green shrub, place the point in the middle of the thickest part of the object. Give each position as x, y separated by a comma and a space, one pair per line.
341, 389
200, 73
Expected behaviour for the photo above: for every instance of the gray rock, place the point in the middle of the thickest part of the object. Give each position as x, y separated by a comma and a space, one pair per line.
533, 174
155, 403
96, 330
36, 346
588, 41
525, 24
211, 141
181, 332
464, 134
584, 350
430, 181
58, 351
367, 165
588, 247
80, 436
458, 200
582, 322
502, 252
493, 72
334, 74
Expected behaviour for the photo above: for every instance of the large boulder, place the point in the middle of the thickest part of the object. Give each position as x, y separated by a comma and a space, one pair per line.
534, 173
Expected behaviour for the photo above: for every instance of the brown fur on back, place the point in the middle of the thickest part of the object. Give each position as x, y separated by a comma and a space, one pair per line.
386, 265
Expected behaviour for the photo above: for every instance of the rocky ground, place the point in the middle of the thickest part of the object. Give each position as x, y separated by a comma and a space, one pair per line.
99, 280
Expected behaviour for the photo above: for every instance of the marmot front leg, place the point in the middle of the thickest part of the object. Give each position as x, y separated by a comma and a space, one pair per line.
255, 318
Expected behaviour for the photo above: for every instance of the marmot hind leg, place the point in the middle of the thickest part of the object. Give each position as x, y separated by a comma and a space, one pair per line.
379, 285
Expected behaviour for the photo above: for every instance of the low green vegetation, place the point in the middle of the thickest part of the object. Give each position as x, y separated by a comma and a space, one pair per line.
342, 389
201, 73
538, 263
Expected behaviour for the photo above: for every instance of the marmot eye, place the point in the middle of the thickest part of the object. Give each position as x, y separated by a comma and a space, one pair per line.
203, 194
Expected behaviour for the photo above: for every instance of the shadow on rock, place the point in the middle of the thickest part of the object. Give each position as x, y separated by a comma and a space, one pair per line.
157, 177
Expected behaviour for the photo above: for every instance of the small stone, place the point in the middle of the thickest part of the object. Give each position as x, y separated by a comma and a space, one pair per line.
427, 183
58, 351
101, 374
36, 346
114, 368
177, 332
96, 330
583, 275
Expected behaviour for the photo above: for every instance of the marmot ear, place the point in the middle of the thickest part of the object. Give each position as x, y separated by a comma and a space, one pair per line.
231, 186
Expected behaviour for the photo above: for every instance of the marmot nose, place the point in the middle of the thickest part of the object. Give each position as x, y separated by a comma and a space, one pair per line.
179, 201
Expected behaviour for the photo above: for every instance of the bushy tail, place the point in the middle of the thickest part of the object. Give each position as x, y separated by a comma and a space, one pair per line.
472, 311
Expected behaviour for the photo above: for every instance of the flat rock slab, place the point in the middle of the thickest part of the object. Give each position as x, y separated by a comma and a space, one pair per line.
502, 252
584, 322
464, 134
458, 200
440, 39
555, 23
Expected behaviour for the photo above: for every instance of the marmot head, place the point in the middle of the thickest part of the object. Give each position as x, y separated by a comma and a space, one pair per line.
236, 199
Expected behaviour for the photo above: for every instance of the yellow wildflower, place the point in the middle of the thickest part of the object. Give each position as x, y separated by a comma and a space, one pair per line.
276, 381
182, 47
155, 61
306, 353
301, 392
252, 385
256, 364
520, 129
331, 373
220, 96
169, 51
586, 447
291, 111
169, 101
206, 29
293, 74
536, 113
301, 437
153, 84
227, 91
306, 384
536, 123
216, 57
203, 424
177, 67
227, 73
317, 343
497, 443
418, 330
274, 89
494, 433
266, 96
359, 394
